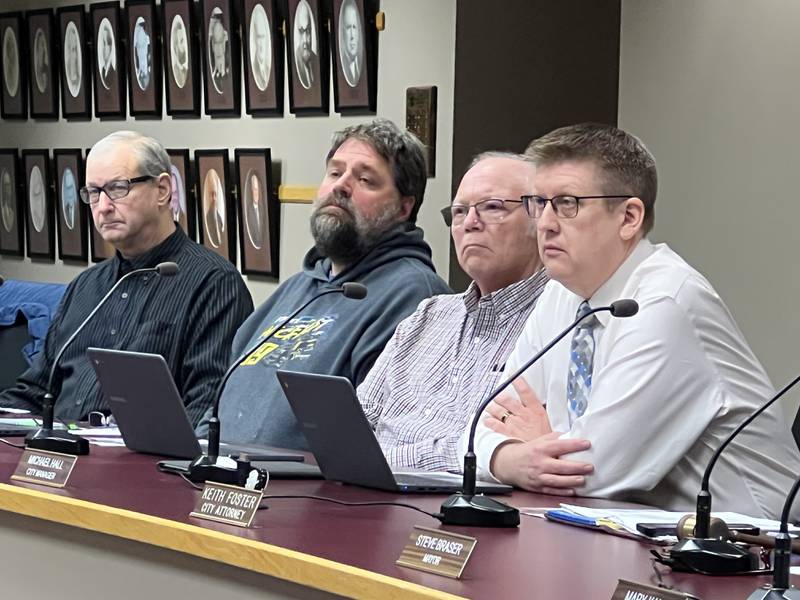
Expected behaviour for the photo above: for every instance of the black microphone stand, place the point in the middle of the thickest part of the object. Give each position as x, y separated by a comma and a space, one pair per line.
205, 467
781, 559
703, 553
46, 437
477, 510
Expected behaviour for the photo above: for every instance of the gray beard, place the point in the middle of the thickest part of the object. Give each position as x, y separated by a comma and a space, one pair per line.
346, 237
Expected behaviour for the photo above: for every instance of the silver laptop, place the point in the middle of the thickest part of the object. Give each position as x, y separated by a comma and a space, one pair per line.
141, 393
331, 418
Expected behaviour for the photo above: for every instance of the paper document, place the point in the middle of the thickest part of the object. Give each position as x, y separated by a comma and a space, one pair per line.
14, 411
97, 432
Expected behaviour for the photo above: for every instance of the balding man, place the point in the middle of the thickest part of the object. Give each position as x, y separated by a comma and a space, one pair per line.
189, 319
447, 356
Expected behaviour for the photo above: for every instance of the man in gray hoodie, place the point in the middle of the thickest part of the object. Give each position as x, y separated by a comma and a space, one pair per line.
363, 223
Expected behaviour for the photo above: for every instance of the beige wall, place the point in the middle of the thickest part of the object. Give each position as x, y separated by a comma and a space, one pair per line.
712, 88
416, 48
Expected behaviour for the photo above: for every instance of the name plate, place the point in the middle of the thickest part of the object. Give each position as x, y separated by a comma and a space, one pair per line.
227, 504
45, 468
436, 551
628, 590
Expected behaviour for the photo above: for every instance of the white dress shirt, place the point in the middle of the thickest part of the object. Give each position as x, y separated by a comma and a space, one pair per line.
669, 384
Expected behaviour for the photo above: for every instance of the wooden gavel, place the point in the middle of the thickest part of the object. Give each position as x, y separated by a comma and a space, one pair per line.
719, 529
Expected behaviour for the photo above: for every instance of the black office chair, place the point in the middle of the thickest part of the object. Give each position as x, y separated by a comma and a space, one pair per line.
12, 339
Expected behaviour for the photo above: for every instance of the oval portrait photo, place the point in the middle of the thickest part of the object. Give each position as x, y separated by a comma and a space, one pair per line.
106, 53
179, 51
10, 62
8, 211
69, 198
260, 47
213, 208
73, 59
36, 199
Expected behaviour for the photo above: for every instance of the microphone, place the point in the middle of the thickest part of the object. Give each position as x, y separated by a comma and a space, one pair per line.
477, 510
48, 439
205, 467
702, 552
781, 561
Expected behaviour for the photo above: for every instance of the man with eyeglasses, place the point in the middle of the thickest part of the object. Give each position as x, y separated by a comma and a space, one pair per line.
634, 407
190, 318
449, 354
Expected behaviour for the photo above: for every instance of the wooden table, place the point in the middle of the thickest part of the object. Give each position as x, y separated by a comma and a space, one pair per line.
316, 546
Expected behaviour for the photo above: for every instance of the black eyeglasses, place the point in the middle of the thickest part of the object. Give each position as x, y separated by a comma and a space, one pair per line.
115, 190
491, 210
563, 206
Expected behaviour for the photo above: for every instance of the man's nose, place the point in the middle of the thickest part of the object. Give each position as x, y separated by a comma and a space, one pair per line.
472, 220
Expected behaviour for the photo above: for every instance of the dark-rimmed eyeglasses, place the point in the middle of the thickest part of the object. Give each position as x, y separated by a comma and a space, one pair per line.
491, 210
563, 206
115, 190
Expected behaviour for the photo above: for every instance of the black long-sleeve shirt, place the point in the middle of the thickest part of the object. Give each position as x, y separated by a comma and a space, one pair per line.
190, 319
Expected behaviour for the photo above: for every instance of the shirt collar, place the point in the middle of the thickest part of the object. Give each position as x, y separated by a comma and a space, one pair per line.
507, 301
611, 290
166, 250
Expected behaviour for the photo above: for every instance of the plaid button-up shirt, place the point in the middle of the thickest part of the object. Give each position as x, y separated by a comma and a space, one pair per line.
440, 363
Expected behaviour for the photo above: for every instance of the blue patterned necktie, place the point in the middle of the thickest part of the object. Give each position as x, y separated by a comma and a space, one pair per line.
581, 362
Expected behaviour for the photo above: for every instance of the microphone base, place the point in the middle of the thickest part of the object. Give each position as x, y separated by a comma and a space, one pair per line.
712, 556
478, 511
770, 593
63, 442
204, 468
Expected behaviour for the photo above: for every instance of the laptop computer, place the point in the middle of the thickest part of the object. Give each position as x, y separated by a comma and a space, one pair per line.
149, 411
342, 440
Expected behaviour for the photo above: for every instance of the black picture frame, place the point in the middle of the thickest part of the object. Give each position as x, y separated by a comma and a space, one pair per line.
75, 57
144, 58
181, 74
109, 61
39, 206
183, 203
308, 79
12, 209
13, 42
263, 68
218, 235
43, 71
72, 213
355, 70
258, 209
221, 58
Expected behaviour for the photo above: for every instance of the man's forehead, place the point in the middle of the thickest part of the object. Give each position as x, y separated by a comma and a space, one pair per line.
355, 151
496, 177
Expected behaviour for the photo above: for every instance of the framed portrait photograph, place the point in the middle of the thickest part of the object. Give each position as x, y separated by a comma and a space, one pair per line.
109, 63
184, 211
181, 61
262, 48
144, 58
216, 214
221, 57
14, 97
307, 57
43, 66
40, 228
259, 212
354, 46
12, 213
76, 83
71, 212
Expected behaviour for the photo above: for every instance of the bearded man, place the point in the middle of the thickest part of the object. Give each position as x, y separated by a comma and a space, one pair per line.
363, 224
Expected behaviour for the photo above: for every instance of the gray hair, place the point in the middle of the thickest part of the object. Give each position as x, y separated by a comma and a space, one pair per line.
626, 164
151, 156
500, 154
400, 148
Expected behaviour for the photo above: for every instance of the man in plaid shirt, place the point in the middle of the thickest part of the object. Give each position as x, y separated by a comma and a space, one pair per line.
449, 354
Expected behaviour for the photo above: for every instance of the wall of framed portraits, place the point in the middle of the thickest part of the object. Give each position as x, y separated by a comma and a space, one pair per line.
277, 131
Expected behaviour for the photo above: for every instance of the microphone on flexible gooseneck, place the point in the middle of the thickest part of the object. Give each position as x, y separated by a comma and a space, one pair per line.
702, 552
48, 439
205, 467
476, 510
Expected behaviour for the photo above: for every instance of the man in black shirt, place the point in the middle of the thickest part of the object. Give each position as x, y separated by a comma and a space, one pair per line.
189, 319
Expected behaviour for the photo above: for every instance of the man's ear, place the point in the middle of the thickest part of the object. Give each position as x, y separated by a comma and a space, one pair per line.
632, 218
164, 183
406, 206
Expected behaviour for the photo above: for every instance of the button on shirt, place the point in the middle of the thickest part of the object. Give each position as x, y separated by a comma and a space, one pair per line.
440, 363
189, 319
669, 385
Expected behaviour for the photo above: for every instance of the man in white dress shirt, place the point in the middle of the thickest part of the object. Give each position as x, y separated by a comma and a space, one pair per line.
635, 407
